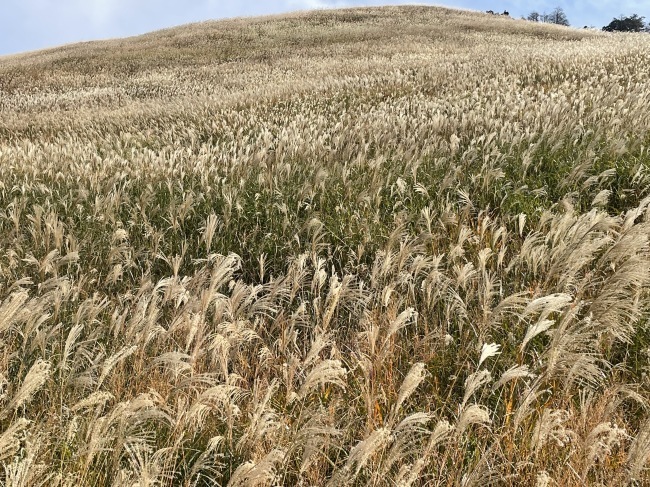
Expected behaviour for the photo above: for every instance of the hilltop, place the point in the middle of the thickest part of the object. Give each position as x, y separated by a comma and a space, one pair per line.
378, 246
233, 60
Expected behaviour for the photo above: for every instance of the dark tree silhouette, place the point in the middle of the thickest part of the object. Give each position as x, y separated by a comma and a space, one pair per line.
633, 23
557, 16
534, 16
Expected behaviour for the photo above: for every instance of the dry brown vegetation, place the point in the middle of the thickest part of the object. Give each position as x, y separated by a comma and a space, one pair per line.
396, 246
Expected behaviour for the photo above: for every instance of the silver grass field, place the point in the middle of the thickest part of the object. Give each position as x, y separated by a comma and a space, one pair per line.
384, 247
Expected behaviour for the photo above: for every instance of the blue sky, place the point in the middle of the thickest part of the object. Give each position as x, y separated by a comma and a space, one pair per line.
34, 24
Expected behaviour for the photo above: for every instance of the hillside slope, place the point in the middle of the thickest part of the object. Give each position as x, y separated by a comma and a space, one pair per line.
383, 246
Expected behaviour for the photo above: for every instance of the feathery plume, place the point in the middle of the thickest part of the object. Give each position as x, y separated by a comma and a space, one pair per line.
488, 350
34, 380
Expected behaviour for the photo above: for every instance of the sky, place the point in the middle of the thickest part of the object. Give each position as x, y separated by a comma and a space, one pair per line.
27, 25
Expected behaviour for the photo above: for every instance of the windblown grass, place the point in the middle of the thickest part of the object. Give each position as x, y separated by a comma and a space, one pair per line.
396, 246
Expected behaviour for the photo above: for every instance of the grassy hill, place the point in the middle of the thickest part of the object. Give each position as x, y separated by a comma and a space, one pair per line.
387, 246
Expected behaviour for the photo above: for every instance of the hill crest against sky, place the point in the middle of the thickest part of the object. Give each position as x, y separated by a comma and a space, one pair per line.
393, 15
34, 24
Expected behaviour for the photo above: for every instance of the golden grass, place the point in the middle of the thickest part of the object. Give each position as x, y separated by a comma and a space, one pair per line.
383, 246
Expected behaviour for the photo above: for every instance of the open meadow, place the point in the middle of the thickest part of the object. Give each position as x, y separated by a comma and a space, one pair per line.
386, 246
